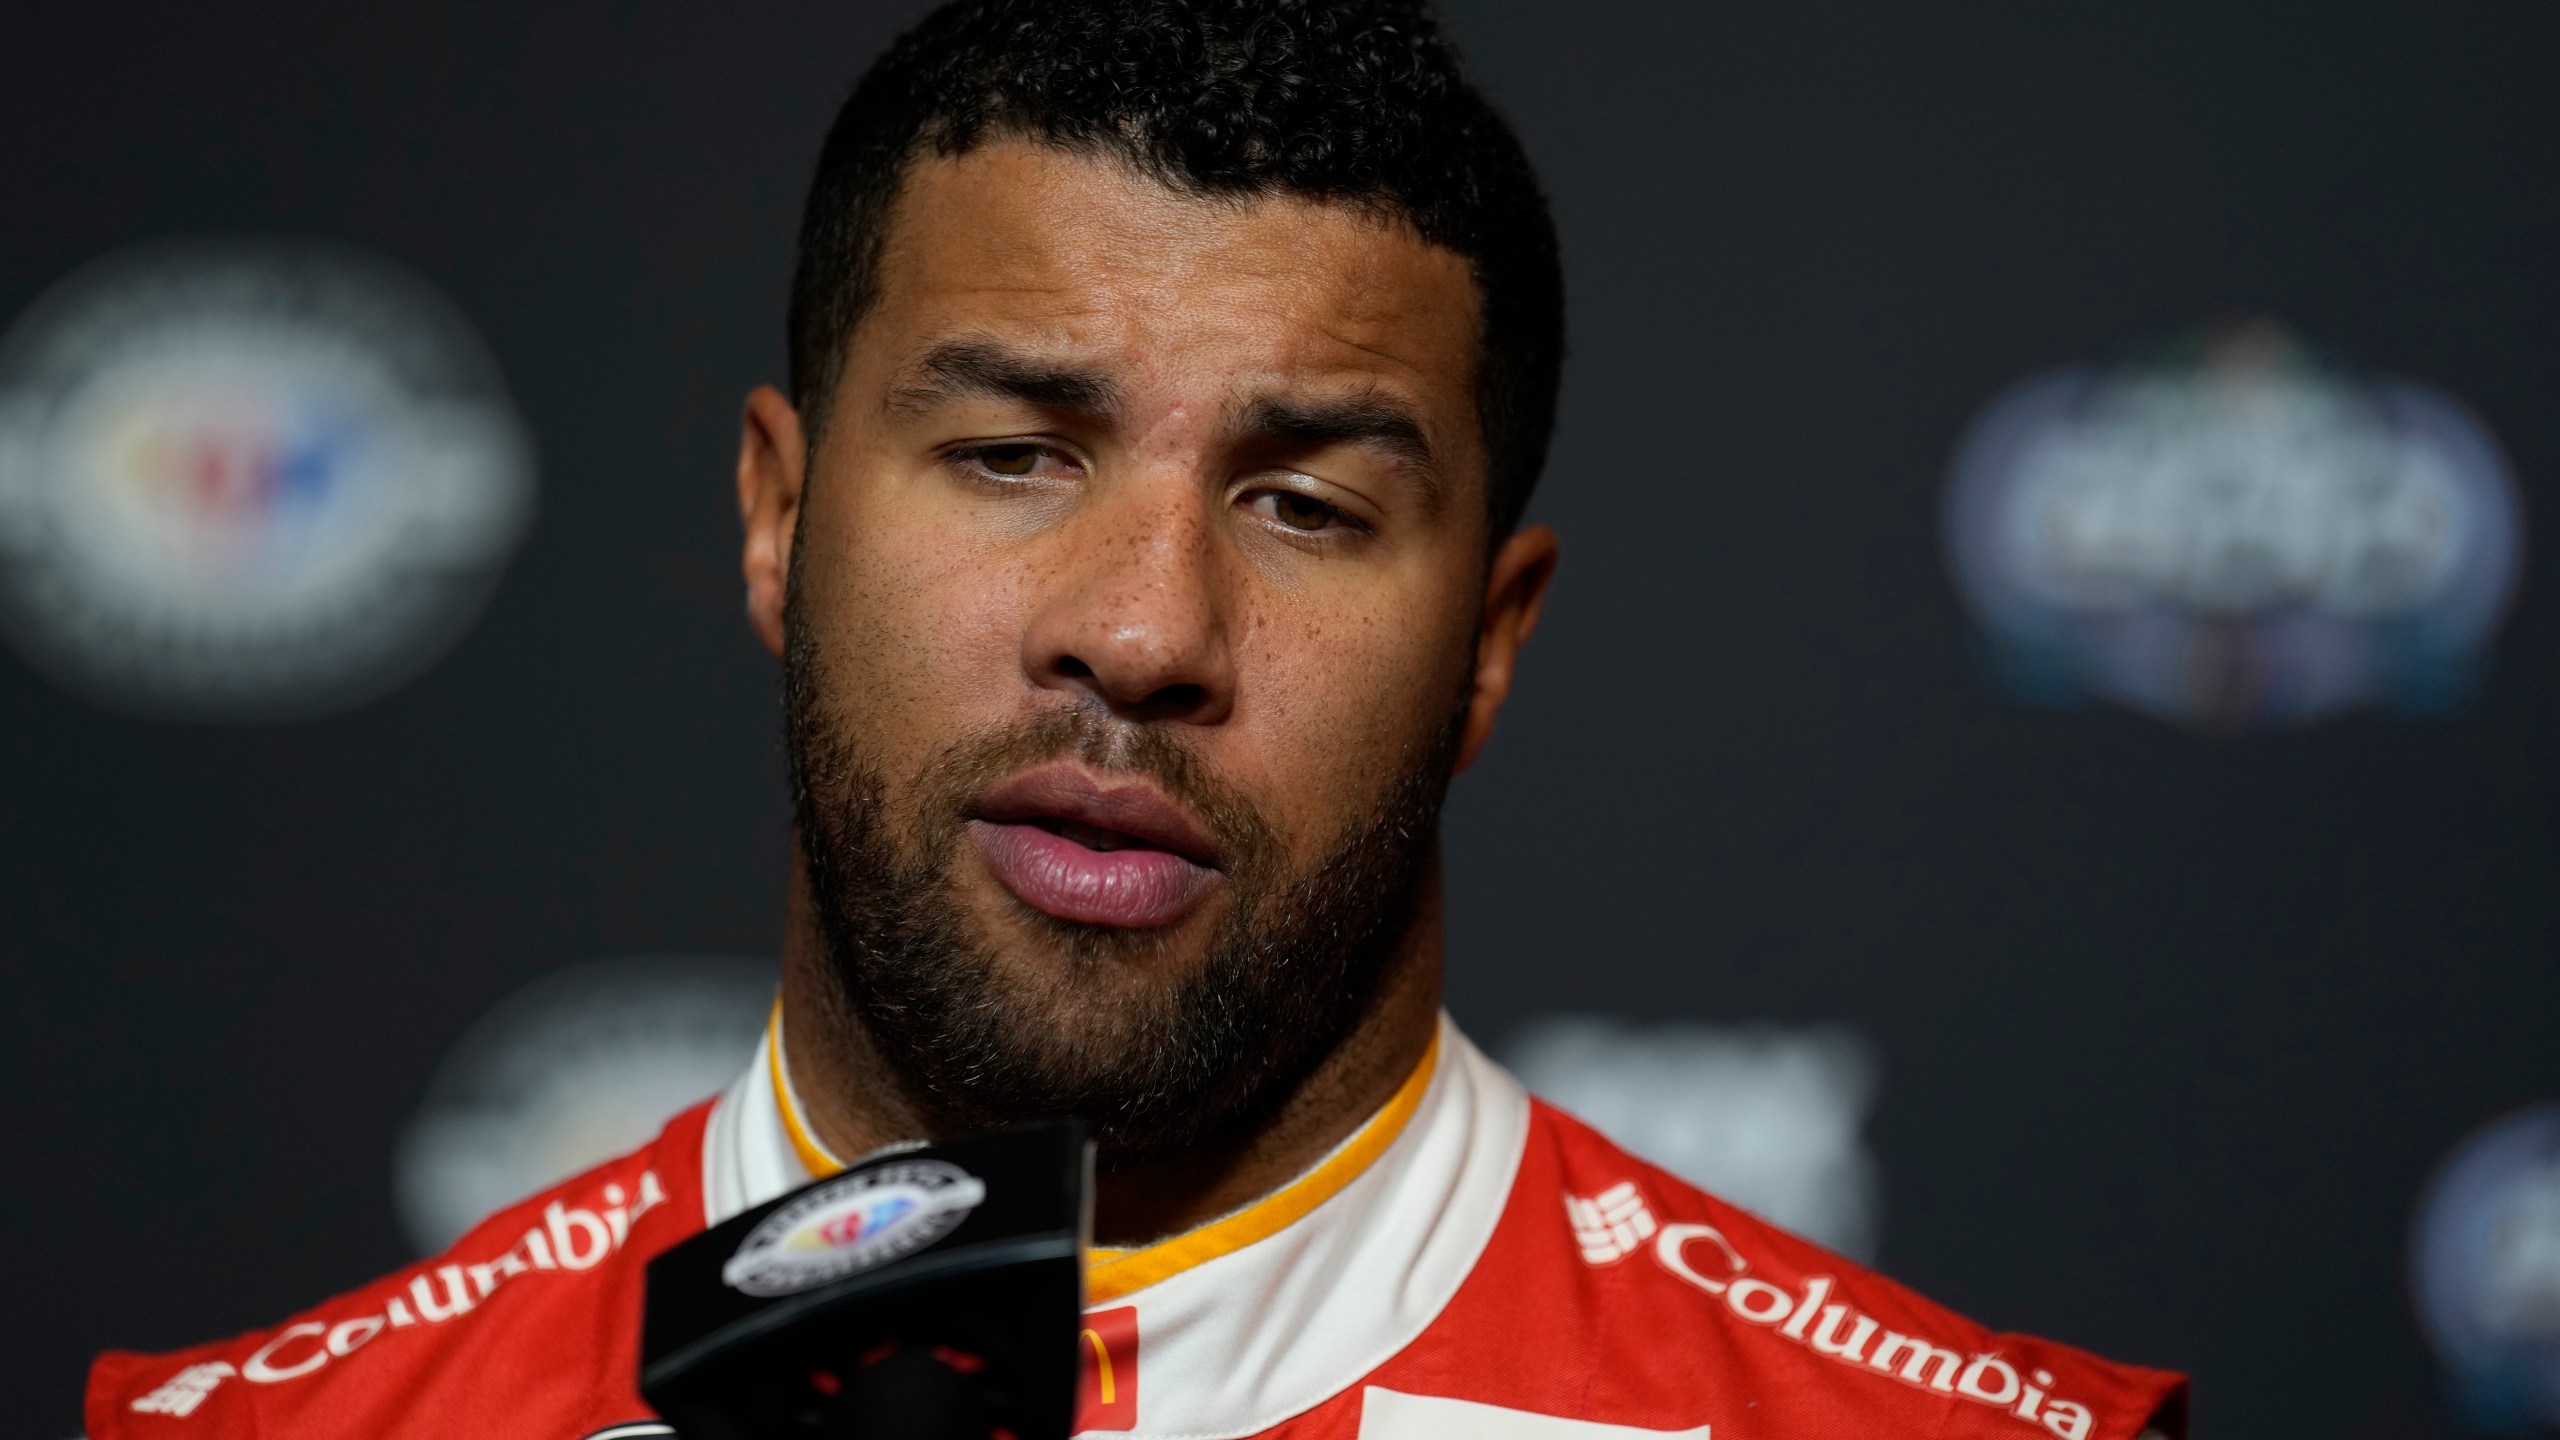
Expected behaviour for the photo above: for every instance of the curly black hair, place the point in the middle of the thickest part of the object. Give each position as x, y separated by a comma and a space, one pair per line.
1354, 101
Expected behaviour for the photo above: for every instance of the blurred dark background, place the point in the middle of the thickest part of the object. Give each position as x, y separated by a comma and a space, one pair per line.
2172, 1026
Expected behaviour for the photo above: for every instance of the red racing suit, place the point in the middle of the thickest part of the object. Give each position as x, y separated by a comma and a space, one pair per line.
1483, 1266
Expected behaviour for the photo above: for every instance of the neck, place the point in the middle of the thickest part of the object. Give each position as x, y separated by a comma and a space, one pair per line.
854, 1106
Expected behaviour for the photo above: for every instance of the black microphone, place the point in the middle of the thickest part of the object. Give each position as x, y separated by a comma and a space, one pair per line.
931, 1293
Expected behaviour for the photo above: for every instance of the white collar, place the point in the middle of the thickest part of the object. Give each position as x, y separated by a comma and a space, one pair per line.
1243, 1338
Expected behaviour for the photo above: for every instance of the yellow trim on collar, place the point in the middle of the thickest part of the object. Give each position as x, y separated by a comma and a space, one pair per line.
1110, 1274
814, 1157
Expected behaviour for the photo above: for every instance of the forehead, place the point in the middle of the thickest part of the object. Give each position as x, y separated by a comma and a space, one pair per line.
1087, 257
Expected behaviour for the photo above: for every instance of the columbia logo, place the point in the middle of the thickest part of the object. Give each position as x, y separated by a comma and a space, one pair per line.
1610, 1225
185, 1391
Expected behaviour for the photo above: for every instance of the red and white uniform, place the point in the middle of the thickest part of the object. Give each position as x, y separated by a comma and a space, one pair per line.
1471, 1263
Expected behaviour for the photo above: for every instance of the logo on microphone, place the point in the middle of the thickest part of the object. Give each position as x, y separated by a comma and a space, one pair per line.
853, 1224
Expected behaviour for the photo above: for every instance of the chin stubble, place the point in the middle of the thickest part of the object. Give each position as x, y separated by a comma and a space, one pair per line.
1154, 1054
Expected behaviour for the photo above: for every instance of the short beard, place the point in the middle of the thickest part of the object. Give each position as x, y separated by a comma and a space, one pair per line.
1153, 1059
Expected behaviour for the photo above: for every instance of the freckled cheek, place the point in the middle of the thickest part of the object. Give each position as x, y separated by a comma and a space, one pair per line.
1337, 710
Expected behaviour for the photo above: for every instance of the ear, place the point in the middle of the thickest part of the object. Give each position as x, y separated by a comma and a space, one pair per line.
1515, 591
773, 458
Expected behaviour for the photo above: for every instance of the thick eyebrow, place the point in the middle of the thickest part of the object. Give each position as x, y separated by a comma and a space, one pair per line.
1378, 421
988, 369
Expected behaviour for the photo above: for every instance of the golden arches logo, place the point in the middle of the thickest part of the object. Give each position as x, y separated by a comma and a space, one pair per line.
1107, 1387
1102, 1367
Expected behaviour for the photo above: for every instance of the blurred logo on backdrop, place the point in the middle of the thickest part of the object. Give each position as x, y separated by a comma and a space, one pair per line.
571, 1071
2234, 534
249, 480
2484, 1270
1770, 1118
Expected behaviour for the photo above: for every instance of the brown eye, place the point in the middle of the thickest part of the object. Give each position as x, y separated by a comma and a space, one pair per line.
1300, 512
1011, 459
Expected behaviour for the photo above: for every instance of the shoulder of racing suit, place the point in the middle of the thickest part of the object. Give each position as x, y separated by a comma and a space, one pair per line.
1609, 1292
529, 1325
1616, 1293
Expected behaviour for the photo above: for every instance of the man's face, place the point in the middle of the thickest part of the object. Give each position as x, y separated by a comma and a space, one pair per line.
1135, 599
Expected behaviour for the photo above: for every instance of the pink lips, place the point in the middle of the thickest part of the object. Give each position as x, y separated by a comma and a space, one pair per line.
1095, 854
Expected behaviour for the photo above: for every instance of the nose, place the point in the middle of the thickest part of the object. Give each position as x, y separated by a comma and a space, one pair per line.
1138, 619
